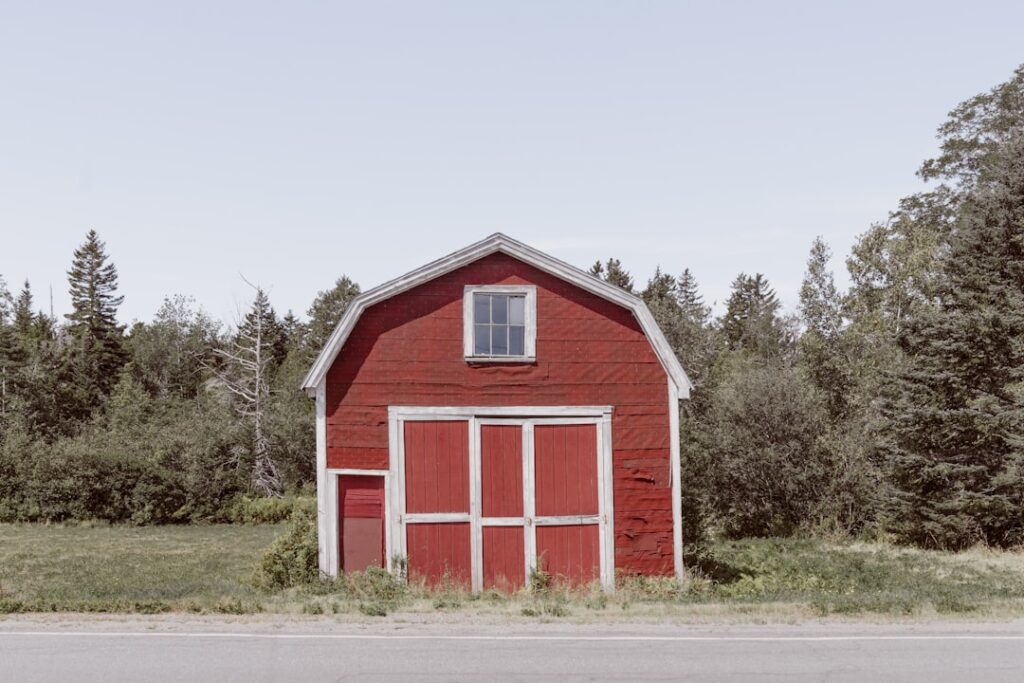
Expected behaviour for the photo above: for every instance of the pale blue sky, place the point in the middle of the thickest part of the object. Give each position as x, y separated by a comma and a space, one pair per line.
293, 142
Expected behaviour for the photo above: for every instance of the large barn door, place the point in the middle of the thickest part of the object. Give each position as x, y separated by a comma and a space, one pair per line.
567, 505
482, 501
437, 509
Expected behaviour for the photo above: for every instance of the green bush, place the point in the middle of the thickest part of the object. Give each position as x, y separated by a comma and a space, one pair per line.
142, 472
293, 559
765, 467
259, 510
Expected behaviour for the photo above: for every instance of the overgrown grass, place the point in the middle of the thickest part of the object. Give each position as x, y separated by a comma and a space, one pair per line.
210, 570
853, 578
103, 568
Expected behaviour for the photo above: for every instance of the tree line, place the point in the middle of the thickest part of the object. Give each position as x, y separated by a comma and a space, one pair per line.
895, 408
166, 421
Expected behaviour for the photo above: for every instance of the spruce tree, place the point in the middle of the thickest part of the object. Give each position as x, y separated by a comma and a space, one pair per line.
822, 342
613, 273
96, 339
955, 420
751, 322
7, 351
23, 317
690, 300
326, 311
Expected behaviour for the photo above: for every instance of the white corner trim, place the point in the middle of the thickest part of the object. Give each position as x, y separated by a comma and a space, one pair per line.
530, 320
522, 252
675, 460
322, 509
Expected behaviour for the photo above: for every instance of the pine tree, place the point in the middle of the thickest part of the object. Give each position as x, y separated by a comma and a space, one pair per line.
326, 311
96, 339
690, 300
8, 350
822, 343
680, 312
956, 417
23, 317
751, 322
613, 273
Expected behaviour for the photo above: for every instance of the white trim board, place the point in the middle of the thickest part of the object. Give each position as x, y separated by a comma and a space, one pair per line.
495, 243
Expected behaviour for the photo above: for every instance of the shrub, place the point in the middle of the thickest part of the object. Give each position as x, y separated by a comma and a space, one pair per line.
260, 510
293, 559
766, 466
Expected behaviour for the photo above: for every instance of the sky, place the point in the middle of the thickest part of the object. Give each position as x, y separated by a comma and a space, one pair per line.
292, 142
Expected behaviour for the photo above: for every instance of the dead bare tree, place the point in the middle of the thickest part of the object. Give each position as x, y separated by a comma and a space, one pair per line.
246, 374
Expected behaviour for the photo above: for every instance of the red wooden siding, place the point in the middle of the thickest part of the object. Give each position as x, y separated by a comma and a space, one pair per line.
408, 351
504, 558
571, 554
565, 469
437, 466
501, 470
439, 553
361, 504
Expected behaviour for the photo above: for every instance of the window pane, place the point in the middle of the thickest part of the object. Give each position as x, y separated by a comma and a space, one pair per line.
499, 309
481, 308
517, 310
516, 345
482, 340
499, 340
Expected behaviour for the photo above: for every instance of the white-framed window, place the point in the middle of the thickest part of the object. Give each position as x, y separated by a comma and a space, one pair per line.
500, 323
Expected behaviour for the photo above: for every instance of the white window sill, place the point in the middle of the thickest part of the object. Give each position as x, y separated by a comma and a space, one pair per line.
482, 360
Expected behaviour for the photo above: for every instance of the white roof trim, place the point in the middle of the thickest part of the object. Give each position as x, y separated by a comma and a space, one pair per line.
499, 242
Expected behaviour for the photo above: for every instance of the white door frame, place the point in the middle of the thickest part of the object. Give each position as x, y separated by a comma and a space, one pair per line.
527, 417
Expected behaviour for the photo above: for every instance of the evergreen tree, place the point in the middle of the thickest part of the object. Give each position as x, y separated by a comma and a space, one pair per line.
613, 273
822, 342
690, 300
96, 340
8, 350
326, 311
751, 322
23, 317
956, 416
681, 314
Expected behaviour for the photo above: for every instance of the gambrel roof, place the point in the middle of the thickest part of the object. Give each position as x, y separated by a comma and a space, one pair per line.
499, 242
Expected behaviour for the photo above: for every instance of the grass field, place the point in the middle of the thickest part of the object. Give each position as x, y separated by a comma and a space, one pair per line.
118, 568
206, 569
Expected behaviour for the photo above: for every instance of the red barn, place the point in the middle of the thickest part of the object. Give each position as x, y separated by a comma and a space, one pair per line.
495, 411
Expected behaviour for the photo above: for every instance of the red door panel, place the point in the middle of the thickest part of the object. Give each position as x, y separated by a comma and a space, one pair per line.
437, 466
361, 504
501, 470
571, 554
439, 553
565, 469
504, 558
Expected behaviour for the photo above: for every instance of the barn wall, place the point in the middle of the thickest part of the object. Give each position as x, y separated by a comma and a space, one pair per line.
408, 350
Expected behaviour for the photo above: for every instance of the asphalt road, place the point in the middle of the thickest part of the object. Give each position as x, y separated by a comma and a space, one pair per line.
90, 652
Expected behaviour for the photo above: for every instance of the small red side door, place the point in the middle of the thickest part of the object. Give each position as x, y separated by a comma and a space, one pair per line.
361, 503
